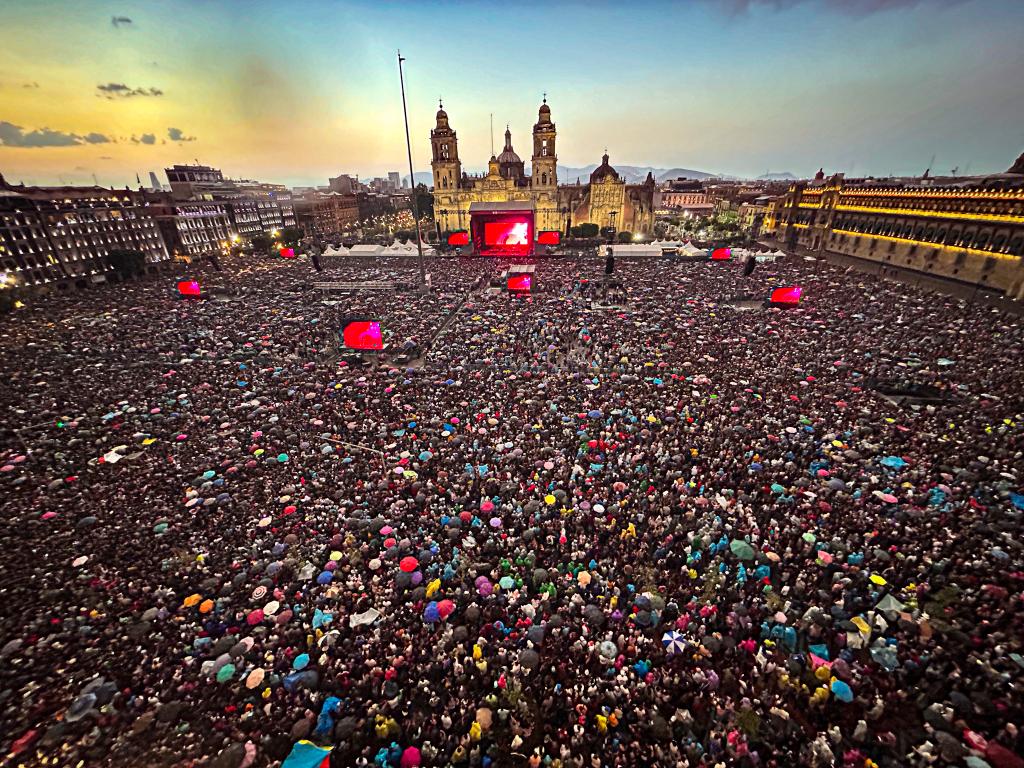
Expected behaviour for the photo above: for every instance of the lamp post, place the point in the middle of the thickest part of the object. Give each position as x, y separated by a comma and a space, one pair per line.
412, 177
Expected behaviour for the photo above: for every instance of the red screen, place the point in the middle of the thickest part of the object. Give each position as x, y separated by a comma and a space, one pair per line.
788, 295
363, 334
503, 234
520, 283
287, 253
721, 254
458, 238
188, 288
549, 237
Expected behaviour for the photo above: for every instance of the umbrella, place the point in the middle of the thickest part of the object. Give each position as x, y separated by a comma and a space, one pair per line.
673, 642
301, 661
842, 691
876, 579
529, 658
255, 677
408, 564
225, 673
593, 615
741, 549
507, 582
608, 649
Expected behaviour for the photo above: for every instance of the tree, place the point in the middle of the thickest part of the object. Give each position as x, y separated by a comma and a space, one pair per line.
290, 236
424, 201
585, 230
127, 262
260, 243
6, 301
625, 237
405, 234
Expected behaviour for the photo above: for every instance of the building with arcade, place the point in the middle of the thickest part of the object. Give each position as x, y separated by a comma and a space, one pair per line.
966, 229
607, 200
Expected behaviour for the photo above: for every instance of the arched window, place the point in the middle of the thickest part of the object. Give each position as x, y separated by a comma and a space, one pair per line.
544, 179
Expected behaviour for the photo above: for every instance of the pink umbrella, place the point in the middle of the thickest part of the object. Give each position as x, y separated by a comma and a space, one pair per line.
445, 608
487, 506
254, 617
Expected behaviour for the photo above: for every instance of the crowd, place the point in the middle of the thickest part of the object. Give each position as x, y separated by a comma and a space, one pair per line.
677, 531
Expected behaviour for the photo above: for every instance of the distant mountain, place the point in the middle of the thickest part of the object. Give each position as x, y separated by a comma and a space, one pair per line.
784, 176
422, 177
633, 174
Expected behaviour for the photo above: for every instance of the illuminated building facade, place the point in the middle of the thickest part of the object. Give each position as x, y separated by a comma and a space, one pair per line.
63, 235
606, 201
972, 231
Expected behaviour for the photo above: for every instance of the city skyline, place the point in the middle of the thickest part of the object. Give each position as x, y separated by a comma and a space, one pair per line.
295, 94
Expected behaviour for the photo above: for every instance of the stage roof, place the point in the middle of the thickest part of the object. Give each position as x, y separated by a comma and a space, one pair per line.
502, 207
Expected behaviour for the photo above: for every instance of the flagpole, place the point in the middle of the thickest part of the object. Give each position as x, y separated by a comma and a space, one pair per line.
412, 178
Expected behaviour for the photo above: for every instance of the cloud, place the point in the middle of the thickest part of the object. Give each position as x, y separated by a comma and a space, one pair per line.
849, 7
33, 84
120, 21
12, 135
96, 138
146, 138
176, 134
106, 157
113, 91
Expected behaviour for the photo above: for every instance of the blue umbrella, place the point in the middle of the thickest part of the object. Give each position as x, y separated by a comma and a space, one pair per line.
324, 578
594, 414
673, 642
301, 661
893, 462
842, 691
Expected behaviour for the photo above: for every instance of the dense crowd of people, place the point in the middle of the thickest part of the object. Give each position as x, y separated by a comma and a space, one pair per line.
672, 531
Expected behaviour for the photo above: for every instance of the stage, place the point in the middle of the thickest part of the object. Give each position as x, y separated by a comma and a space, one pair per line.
502, 228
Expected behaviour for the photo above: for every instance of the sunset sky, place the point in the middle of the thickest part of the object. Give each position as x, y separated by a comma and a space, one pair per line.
297, 91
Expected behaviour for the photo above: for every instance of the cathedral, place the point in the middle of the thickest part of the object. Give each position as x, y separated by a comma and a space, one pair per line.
607, 200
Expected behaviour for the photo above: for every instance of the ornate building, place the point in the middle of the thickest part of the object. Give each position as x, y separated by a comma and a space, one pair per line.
971, 230
606, 201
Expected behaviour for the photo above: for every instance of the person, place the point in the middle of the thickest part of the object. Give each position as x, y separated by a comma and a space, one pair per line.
669, 532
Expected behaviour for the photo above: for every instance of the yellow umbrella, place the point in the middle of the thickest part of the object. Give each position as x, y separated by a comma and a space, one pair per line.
192, 600
549, 499
862, 625
432, 587
876, 579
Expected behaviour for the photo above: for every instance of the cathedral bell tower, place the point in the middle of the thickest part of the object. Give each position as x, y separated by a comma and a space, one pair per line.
445, 160
545, 175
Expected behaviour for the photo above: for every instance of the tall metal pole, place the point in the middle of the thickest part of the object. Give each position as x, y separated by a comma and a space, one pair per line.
412, 178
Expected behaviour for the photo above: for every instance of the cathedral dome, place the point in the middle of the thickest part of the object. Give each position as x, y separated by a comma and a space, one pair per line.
508, 156
604, 170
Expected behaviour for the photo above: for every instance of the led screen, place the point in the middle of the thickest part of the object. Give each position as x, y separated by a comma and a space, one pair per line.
188, 288
520, 283
721, 254
549, 238
502, 234
507, 233
362, 334
458, 238
788, 295
287, 253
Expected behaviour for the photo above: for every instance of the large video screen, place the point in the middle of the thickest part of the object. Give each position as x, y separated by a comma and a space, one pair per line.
362, 334
721, 254
549, 237
459, 238
503, 234
521, 283
789, 295
189, 288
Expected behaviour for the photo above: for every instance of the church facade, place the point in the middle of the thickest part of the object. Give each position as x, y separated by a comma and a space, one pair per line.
607, 200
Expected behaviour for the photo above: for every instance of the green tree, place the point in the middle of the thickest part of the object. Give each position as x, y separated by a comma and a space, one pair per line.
625, 237
260, 243
424, 201
127, 262
290, 236
586, 230
406, 234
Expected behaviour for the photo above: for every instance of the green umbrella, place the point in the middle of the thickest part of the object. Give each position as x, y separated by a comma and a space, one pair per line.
507, 582
225, 673
809, 537
776, 488
741, 549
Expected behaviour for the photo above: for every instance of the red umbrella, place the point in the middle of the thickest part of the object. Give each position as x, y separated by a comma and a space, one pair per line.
408, 564
255, 617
